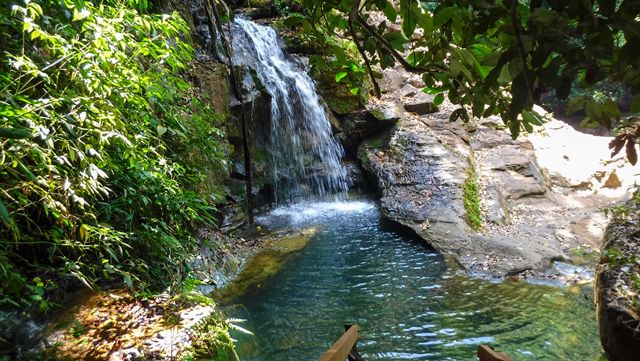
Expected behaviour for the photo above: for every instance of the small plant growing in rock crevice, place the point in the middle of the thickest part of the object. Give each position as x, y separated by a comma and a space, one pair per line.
471, 200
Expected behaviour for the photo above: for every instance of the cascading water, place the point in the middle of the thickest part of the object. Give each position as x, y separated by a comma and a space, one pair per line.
305, 158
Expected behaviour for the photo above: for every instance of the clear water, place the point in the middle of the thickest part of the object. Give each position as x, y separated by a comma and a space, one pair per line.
409, 305
305, 158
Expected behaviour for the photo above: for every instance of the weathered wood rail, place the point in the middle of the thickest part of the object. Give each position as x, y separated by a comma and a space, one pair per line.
486, 353
345, 347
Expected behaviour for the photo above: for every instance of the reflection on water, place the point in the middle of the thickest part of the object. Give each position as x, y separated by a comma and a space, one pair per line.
408, 304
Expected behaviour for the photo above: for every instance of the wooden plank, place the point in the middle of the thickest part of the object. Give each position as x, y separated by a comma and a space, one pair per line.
340, 350
486, 353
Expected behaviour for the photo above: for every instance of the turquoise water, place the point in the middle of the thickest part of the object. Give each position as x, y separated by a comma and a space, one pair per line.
409, 305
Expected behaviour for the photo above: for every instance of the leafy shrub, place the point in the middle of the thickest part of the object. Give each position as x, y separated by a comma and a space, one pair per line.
104, 148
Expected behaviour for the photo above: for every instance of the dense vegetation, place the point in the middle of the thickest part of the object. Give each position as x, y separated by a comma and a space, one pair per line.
496, 57
106, 151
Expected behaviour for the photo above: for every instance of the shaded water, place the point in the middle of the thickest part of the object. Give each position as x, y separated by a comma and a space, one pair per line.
305, 158
407, 302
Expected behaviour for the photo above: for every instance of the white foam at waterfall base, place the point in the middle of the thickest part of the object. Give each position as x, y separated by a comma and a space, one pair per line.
305, 159
310, 212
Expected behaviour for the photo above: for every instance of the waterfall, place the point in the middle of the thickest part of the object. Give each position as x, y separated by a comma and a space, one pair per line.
305, 159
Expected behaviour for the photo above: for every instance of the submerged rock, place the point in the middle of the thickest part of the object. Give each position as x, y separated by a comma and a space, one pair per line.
264, 264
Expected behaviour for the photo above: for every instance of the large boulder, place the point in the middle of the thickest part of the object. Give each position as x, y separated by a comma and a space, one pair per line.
422, 104
423, 165
617, 290
358, 126
420, 177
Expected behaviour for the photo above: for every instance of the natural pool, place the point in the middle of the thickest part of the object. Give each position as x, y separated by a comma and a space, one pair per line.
409, 304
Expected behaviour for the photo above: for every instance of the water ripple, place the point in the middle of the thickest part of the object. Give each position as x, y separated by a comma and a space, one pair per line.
408, 304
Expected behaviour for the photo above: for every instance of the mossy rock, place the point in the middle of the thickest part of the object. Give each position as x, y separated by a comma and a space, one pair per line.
263, 265
260, 3
213, 81
337, 95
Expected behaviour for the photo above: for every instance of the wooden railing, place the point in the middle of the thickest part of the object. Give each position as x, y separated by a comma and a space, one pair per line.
345, 347
486, 353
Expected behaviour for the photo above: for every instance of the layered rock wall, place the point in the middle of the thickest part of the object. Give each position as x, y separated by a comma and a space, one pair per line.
617, 287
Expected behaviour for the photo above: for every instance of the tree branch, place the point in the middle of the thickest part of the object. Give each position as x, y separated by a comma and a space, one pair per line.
235, 85
523, 53
405, 64
353, 15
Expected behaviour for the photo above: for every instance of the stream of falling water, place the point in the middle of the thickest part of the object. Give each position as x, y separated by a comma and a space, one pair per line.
306, 160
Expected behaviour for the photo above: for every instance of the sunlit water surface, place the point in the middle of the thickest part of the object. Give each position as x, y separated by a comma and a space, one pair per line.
409, 305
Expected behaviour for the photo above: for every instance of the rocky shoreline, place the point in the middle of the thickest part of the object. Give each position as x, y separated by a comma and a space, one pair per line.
541, 196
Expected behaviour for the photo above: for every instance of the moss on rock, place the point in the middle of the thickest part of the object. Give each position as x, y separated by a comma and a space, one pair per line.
471, 199
264, 265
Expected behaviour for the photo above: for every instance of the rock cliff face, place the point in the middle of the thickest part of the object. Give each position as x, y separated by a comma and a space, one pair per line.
616, 291
540, 196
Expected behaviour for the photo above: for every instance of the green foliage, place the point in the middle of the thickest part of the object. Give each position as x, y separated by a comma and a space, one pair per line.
471, 200
343, 83
335, 56
211, 340
104, 148
499, 58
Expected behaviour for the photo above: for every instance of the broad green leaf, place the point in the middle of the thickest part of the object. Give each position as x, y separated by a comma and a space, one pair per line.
388, 9
438, 99
543, 17
459, 114
396, 39
294, 20
411, 15
635, 104
338, 51
126, 277
4, 213
443, 16
341, 75
514, 128
504, 76
532, 117
425, 20
516, 67
519, 97
15, 133
480, 50
432, 91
